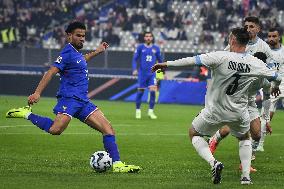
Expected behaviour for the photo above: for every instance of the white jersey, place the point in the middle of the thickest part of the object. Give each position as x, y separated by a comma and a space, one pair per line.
232, 74
258, 46
276, 62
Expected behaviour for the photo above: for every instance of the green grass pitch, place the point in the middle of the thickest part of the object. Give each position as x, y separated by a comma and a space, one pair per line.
30, 158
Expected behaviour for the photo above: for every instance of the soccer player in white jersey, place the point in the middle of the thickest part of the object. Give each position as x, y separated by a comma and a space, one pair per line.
277, 63
226, 99
252, 24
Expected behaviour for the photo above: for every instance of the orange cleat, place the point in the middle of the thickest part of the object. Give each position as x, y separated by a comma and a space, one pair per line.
213, 143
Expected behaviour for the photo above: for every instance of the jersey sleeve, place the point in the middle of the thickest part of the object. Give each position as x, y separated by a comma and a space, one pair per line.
135, 57
61, 61
210, 60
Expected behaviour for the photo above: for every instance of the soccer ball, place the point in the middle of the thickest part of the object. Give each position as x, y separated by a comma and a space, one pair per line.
100, 161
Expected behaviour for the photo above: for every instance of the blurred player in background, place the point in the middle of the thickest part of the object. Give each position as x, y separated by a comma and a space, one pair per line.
146, 54
226, 99
72, 100
277, 63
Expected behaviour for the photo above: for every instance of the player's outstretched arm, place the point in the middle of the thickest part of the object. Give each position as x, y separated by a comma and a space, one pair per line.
34, 98
159, 66
101, 48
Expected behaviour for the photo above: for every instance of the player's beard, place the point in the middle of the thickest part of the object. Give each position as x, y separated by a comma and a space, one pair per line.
272, 43
79, 45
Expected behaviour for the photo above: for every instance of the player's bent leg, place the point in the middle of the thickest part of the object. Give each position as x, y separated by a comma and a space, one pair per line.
152, 90
217, 137
202, 148
60, 124
271, 115
140, 92
255, 129
98, 121
245, 152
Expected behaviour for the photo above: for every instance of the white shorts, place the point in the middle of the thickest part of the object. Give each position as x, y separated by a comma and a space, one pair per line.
206, 126
253, 112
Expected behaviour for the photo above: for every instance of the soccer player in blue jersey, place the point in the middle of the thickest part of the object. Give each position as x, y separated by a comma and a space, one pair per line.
147, 54
72, 100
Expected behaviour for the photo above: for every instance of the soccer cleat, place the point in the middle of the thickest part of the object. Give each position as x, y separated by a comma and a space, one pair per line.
260, 148
216, 172
19, 112
252, 157
138, 114
152, 115
120, 167
213, 143
245, 181
252, 170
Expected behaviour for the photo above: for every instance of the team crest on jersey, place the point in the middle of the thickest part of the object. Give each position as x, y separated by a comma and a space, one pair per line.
154, 51
58, 60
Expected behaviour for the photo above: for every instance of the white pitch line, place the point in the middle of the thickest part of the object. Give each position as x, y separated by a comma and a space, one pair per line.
13, 126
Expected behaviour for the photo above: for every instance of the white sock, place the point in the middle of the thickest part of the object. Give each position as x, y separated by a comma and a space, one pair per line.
202, 147
217, 136
150, 111
27, 115
245, 151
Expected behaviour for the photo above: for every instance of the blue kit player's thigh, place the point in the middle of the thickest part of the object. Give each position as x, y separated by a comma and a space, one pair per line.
67, 106
151, 80
87, 109
142, 81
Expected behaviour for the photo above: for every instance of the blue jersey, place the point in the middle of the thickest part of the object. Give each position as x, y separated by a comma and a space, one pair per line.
73, 74
147, 57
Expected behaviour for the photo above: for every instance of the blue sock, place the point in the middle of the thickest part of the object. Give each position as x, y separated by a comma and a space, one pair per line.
139, 99
152, 99
44, 123
111, 147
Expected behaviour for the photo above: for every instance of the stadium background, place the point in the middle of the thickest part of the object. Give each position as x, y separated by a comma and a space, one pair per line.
32, 34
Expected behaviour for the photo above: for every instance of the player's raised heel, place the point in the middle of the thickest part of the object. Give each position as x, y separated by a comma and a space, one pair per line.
152, 115
19, 112
120, 167
245, 181
260, 148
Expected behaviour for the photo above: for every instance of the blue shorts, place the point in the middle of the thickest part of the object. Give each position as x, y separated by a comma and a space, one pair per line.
74, 108
145, 81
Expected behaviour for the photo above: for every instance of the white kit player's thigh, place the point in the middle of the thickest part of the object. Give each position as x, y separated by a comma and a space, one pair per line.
253, 112
240, 128
205, 126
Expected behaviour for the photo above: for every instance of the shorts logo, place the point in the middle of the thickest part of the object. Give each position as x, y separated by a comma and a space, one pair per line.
64, 108
78, 61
